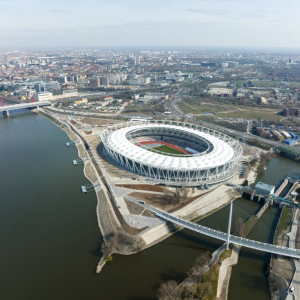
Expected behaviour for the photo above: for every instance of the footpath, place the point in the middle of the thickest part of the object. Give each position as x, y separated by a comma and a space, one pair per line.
228, 263
295, 283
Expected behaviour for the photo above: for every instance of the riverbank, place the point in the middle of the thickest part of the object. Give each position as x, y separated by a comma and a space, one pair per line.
111, 222
225, 273
53, 219
108, 222
281, 268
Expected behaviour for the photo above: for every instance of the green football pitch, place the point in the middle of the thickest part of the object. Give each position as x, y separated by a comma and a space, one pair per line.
167, 150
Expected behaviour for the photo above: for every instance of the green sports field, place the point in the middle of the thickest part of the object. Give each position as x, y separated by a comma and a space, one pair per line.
167, 150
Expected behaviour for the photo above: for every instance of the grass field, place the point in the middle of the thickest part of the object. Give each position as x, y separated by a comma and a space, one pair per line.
228, 110
284, 222
259, 113
270, 84
167, 149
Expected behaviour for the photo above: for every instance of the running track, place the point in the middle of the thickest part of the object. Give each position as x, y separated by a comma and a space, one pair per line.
163, 143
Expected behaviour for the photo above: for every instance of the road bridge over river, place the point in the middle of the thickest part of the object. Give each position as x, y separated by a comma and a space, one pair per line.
7, 108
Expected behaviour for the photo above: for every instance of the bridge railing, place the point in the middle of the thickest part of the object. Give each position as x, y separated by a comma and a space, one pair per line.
24, 105
223, 236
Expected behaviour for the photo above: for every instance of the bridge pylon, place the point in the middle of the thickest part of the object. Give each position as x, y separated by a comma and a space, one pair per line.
229, 226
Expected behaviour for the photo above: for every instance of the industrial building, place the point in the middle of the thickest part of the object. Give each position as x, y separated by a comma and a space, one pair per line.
83, 100
156, 96
293, 135
290, 142
285, 134
266, 188
263, 100
276, 133
219, 92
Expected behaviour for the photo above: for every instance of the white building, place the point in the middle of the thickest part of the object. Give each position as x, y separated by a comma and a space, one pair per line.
104, 103
138, 80
146, 80
270, 189
285, 134
65, 94
135, 80
52, 85
42, 96
156, 96
137, 60
135, 96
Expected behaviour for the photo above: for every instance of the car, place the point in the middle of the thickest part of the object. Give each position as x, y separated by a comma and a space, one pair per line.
142, 202
292, 289
119, 206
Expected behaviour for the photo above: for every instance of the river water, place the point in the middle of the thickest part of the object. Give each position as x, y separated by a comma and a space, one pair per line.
50, 238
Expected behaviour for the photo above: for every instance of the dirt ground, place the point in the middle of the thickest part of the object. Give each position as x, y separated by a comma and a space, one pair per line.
97, 121
284, 267
133, 208
137, 210
161, 201
142, 187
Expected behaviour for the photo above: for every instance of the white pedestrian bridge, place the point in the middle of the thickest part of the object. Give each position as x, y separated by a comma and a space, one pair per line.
7, 108
295, 253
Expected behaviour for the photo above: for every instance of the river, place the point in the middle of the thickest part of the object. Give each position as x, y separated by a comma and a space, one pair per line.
50, 238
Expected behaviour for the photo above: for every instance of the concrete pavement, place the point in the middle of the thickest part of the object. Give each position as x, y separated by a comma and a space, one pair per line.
292, 244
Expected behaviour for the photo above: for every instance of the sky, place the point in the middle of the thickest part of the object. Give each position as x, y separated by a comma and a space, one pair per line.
111, 23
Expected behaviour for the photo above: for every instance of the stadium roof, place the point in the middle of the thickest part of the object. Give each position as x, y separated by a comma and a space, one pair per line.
221, 153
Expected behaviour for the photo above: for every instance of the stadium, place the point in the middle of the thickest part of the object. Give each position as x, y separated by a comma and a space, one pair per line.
172, 152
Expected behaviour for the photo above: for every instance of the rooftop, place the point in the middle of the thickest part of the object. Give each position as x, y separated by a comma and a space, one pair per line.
265, 187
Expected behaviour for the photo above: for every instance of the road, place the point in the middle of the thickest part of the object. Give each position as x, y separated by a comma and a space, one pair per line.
172, 106
292, 243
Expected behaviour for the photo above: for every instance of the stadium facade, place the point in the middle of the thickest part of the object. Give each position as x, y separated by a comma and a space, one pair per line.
215, 158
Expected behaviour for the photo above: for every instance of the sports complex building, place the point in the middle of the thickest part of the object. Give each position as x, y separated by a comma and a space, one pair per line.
172, 152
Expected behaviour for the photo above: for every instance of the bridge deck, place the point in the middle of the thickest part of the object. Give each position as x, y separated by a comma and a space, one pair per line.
233, 239
24, 105
221, 235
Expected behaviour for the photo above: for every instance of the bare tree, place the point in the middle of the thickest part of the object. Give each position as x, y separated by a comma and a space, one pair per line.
200, 265
169, 291
202, 284
181, 194
169, 196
